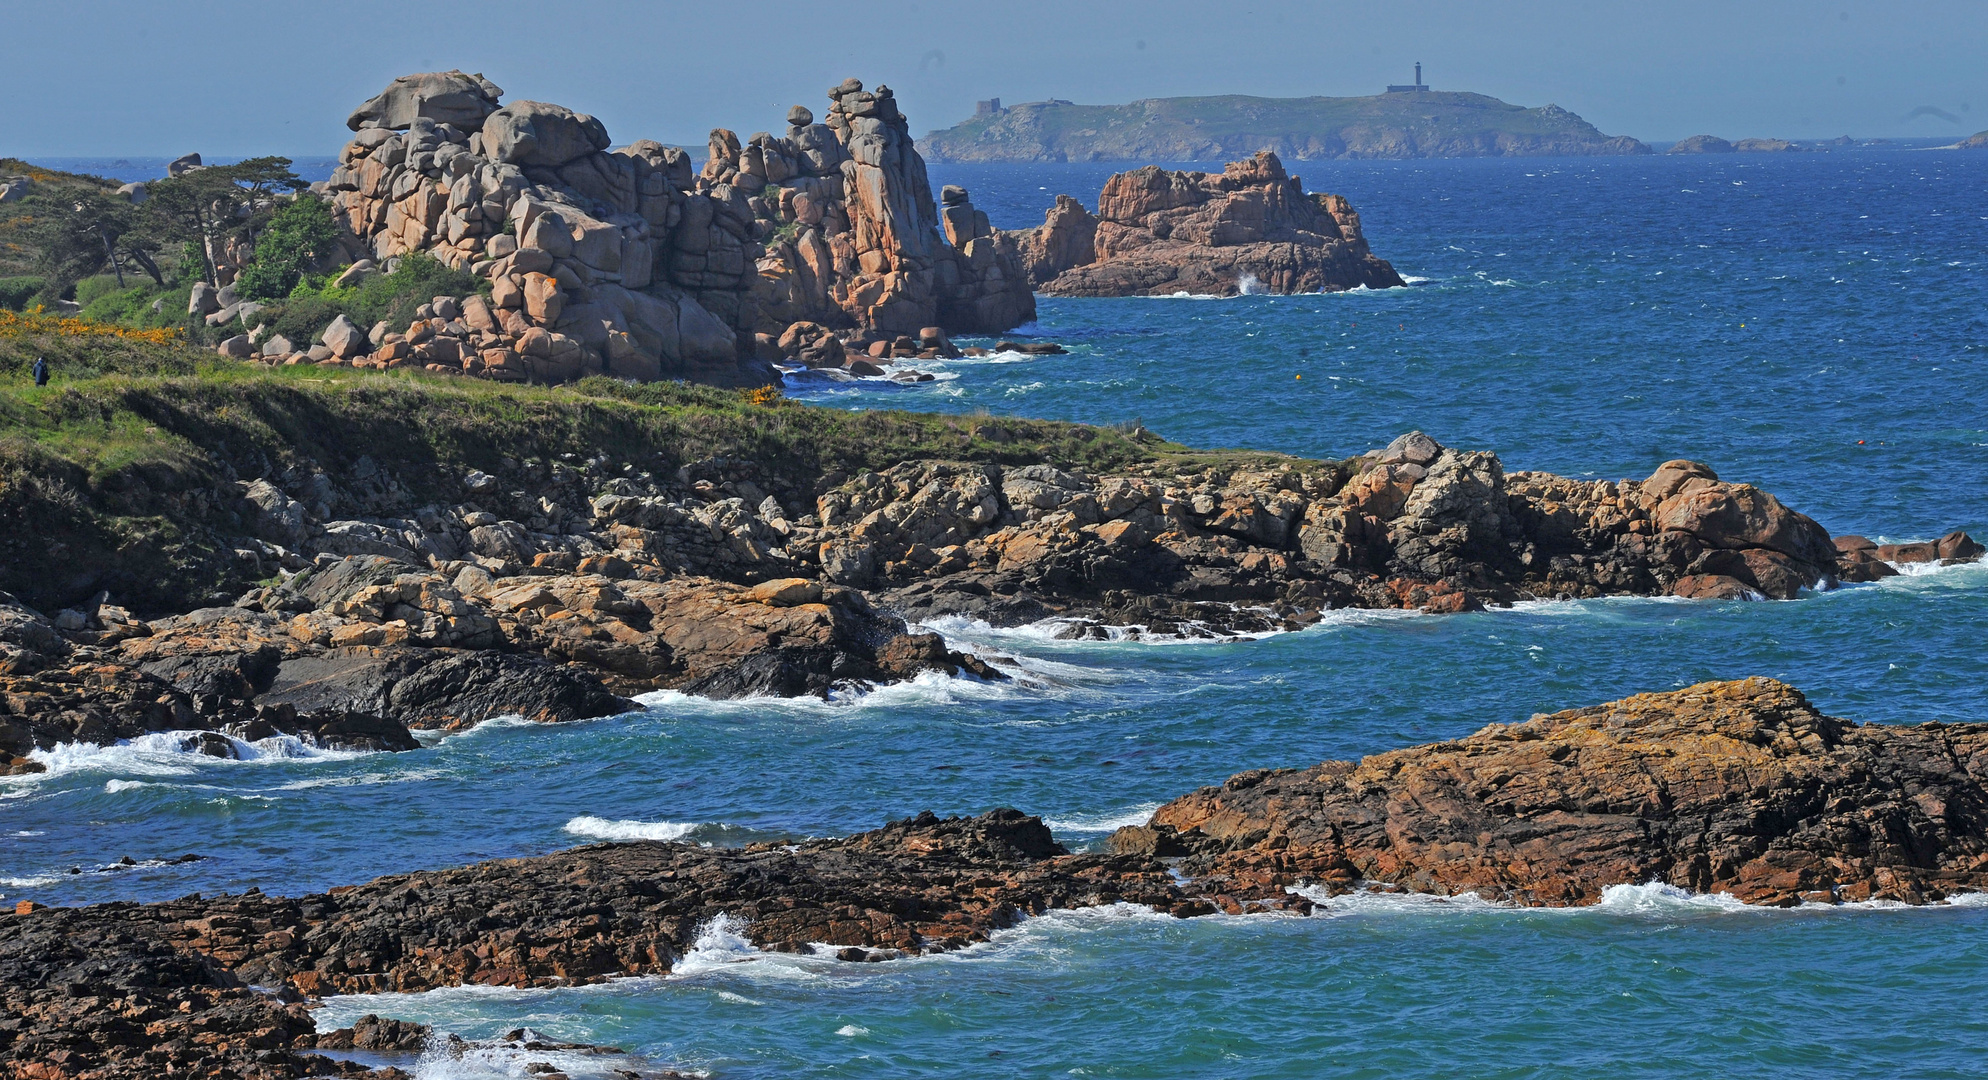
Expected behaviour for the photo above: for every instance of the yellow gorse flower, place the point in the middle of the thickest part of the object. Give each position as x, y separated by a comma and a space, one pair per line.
15, 324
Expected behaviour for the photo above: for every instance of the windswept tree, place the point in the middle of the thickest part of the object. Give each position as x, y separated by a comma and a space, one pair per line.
75, 234
300, 233
211, 206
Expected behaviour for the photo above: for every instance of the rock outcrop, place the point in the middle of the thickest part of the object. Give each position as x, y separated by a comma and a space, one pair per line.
1735, 787
129, 990
626, 262
854, 238
1251, 228
1727, 787
1701, 144
600, 262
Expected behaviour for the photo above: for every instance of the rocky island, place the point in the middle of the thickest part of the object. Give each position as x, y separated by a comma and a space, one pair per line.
1251, 227
1223, 128
1739, 787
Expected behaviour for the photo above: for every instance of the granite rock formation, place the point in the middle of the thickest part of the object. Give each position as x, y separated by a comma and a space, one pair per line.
1250, 228
625, 262
854, 238
600, 262
1726, 787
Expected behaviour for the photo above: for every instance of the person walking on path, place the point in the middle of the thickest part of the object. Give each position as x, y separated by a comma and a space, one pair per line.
41, 371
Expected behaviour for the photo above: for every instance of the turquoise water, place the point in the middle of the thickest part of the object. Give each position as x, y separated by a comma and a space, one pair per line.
1617, 344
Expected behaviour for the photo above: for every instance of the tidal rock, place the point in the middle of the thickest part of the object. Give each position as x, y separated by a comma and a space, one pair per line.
1726, 787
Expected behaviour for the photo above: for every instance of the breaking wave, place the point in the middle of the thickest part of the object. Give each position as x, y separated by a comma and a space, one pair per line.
625, 829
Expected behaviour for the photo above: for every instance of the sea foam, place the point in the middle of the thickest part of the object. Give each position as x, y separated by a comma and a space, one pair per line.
625, 829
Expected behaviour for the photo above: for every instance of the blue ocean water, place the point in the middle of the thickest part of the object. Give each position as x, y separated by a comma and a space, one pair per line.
1762, 314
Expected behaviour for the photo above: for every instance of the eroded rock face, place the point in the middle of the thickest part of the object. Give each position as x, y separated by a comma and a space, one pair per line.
1251, 228
855, 239
628, 263
1736, 787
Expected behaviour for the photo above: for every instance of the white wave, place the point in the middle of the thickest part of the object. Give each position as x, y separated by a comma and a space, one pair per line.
721, 947
28, 882
1059, 631
359, 779
1650, 900
1413, 280
927, 688
627, 829
850, 1031
1248, 285
173, 753
1656, 898
1106, 822
442, 1060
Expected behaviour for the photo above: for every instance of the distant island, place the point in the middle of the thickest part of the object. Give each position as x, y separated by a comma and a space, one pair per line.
1407, 122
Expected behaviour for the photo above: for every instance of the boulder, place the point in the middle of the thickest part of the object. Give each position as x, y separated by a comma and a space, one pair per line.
446, 97
538, 133
180, 166
344, 338
238, 347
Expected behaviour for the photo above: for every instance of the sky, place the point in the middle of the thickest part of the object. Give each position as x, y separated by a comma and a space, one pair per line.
101, 78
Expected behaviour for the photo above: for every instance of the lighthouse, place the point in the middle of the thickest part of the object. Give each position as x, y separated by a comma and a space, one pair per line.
1417, 87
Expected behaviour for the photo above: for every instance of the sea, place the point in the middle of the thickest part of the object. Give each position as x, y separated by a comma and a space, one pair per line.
1816, 324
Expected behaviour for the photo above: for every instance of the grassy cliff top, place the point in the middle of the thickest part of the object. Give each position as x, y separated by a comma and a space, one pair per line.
1431, 123
126, 471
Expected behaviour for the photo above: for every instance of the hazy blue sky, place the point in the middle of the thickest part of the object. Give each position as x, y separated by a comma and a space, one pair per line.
102, 78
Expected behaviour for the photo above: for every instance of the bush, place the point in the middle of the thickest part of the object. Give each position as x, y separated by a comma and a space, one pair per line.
419, 278
125, 307
91, 289
299, 234
15, 292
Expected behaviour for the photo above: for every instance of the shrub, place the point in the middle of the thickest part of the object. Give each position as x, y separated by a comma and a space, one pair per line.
419, 278
125, 307
299, 233
15, 292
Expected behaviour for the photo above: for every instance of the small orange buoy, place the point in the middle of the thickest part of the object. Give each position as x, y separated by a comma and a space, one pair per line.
1297, 376
1860, 442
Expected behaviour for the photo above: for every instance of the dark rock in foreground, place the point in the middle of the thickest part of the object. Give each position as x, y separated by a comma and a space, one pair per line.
1733, 787
1738, 787
130, 990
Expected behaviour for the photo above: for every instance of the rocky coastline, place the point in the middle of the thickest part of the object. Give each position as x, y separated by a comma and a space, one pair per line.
1737, 787
557, 589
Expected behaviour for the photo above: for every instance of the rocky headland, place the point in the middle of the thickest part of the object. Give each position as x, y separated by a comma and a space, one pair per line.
1417, 125
1736, 787
1251, 227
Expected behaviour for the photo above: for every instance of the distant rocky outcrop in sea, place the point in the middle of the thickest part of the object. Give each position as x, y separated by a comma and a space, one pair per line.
1977, 141
1408, 125
1251, 227
1712, 144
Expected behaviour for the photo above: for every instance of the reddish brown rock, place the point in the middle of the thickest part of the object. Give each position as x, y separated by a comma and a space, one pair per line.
1736, 787
1253, 227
